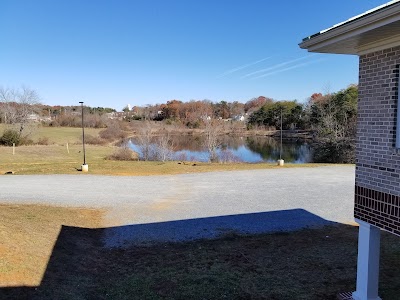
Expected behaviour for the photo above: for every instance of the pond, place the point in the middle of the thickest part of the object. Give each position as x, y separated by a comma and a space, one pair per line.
250, 149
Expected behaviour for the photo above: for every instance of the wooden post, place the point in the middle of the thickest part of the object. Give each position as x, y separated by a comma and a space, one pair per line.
67, 148
13, 148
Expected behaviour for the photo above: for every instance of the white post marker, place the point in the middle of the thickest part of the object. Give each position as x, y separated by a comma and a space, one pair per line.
13, 148
368, 262
85, 168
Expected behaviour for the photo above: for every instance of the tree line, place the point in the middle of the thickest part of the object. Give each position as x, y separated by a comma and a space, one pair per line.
193, 113
331, 117
329, 114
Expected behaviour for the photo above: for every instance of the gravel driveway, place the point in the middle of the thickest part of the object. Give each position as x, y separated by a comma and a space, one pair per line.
326, 192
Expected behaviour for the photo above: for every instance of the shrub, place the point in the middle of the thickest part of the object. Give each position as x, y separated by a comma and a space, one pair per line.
26, 141
227, 156
124, 154
341, 151
43, 141
10, 137
113, 132
54, 123
182, 156
67, 120
193, 125
93, 140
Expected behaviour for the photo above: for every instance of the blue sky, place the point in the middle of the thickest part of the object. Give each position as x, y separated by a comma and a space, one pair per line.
111, 53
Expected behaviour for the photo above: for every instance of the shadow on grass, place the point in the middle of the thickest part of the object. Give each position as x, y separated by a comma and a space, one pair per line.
211, 227
289, 254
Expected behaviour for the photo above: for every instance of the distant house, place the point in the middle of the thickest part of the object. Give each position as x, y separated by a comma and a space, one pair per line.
111, 115
374, 37
33, 117
115, 115
240, 118
36, 118
45, 119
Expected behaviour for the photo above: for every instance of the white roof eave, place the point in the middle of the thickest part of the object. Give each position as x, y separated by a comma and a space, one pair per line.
326, 41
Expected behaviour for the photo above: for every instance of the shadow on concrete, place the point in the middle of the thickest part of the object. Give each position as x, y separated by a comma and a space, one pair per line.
83, 257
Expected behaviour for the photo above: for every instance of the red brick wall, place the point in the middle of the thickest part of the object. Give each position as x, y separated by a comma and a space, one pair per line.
377, 159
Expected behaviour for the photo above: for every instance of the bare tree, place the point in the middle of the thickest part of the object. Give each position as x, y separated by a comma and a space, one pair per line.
8, 100
334, 122
145, 143
165, 147
18, 105
213, 130
333, 117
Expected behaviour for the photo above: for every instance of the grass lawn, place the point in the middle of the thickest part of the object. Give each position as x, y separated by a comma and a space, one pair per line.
41, 262
27, 236
54, 159
63, 135
57, 135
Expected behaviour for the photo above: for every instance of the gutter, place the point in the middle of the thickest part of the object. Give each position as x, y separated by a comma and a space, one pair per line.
351, 21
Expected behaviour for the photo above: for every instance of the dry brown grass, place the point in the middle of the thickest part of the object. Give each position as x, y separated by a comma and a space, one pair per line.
57, 135
94, 140
54, 159
310, 264
123, 154
27, 237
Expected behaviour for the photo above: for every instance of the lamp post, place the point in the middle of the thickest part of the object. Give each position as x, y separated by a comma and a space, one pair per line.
84, 167
280, 160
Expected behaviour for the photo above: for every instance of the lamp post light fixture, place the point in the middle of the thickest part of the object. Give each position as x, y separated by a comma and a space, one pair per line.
85, 167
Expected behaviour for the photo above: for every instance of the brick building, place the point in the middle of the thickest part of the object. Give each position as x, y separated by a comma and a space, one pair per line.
375, 37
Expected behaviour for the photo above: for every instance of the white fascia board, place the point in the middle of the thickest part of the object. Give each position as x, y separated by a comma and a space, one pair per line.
361, 15
353, 29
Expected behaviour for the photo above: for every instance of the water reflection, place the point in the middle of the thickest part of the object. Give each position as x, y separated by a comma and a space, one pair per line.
269, 148
233, 148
